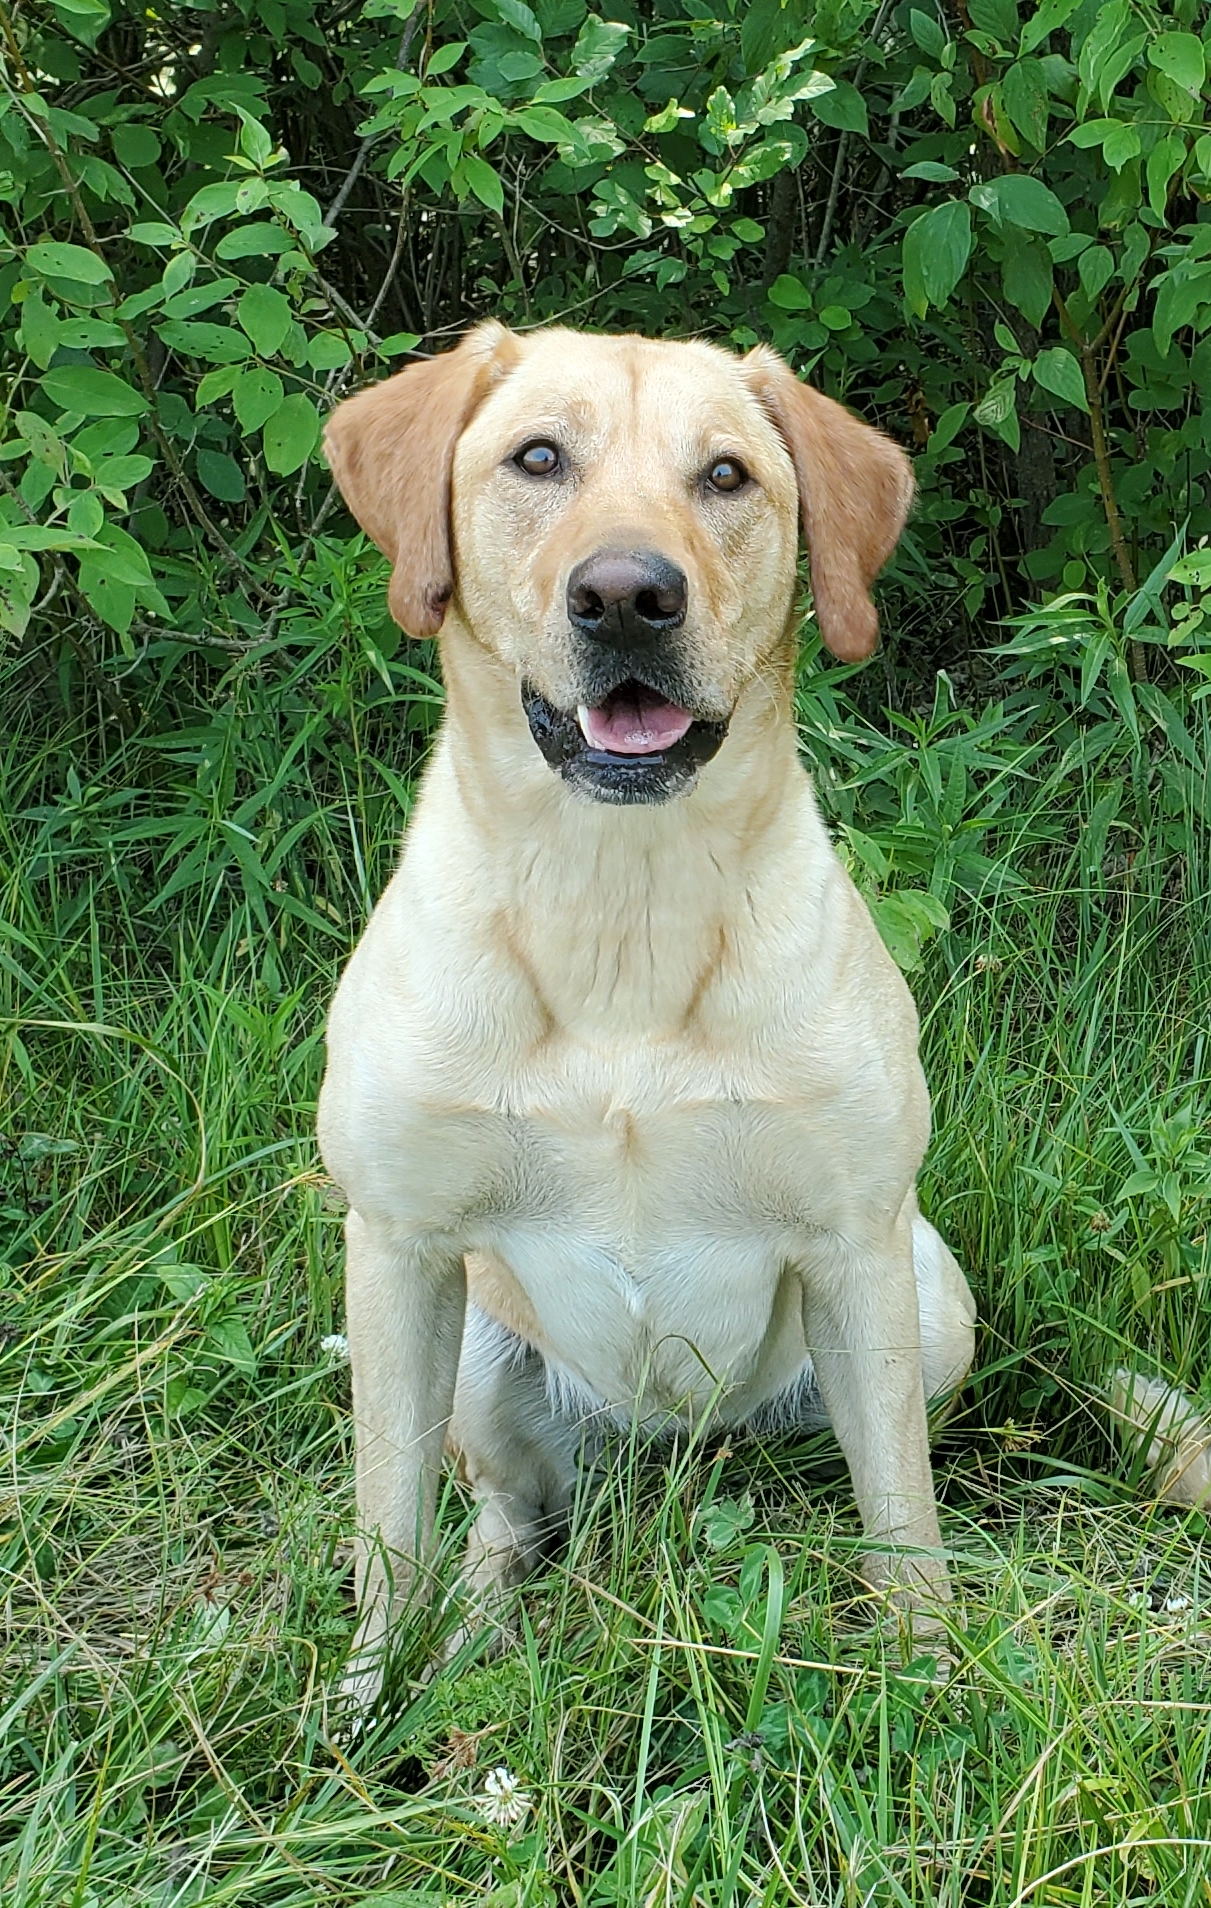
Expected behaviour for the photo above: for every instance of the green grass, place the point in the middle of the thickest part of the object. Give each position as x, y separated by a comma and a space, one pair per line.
700, 1708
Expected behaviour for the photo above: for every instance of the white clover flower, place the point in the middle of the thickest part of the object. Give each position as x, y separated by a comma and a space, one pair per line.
503, 1800
336, 1345
1175, 1605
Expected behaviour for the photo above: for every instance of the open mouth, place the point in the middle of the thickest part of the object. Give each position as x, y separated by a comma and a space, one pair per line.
636, 745
634, 720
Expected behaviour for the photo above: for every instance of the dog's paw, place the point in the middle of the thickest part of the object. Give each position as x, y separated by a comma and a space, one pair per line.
360, 1688
484, 1625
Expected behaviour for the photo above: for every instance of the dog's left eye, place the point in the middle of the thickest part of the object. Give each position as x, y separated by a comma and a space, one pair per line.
538, 460
728, 474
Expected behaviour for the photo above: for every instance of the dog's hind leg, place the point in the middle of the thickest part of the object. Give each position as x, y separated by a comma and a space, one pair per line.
1178, 1449
518, 1457
947, 1311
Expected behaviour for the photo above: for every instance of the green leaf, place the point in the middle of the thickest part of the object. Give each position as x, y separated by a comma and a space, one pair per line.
1175, 102
1095, 268
917, 89
220, 475
40, 329
212, 202
261, 240
1144, 1181
1119, 140
291, 434
998, 17
543, 122
1024, 90
1027, 276
124, 559
931, 169
666, 119
1058, 372
947, 428
44, 444
1121, 146
198, 298
941, 98
229, 1338
927, 31
256, 141
134, 145
1092, 132
1120, 688
51, 259
843, 107
768, 28
520, 17
86, 19
122, 473
1180, 295
445, 58
999, 402
327, 351
936, 248
789, 294
1167, 157
256, 394
1180, 57
1050, 16
115, 576
598, 45
216, 384
139, 304
156, 234
36, 536
265, 314
83, 387
906, 920
85, 513
91, 334
1018, 198
214, 344
555, 91
484, 181
520, 66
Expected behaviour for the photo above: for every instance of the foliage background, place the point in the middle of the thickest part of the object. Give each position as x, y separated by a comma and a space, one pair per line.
981, 225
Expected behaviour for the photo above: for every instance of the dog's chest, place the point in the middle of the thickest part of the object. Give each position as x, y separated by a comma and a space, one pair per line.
648, 1250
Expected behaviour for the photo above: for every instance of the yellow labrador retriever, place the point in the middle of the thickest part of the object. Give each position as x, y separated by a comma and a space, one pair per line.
622, 1086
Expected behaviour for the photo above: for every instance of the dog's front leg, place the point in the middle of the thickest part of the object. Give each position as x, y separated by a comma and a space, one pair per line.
862, 1326
404, 1303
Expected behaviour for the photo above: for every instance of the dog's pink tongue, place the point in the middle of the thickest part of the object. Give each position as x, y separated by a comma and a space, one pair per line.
634, 722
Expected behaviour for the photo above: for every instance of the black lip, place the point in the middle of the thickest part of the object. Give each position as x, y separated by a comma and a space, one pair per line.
622, 780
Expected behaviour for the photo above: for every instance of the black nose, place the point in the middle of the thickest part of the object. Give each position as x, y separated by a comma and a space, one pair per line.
626, 596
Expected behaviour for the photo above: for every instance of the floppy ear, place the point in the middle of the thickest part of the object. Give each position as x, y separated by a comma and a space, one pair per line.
855, 489
391, 450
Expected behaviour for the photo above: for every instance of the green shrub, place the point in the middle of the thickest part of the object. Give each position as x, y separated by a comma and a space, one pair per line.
983, 228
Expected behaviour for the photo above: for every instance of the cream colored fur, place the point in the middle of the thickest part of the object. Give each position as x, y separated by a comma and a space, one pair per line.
640, 1083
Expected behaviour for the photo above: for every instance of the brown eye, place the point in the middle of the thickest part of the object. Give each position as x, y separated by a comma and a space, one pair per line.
727, 475
538, 460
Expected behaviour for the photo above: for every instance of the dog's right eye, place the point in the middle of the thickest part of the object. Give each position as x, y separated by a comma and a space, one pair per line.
538, 460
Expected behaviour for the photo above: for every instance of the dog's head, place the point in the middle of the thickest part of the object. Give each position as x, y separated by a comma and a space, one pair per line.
616, 519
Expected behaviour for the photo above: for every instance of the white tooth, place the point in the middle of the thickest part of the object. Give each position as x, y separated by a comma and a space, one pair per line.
582, 716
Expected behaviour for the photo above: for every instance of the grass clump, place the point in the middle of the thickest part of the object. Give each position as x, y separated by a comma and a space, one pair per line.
699, 1709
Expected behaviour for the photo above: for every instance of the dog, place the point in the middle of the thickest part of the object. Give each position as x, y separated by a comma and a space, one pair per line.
622, 1085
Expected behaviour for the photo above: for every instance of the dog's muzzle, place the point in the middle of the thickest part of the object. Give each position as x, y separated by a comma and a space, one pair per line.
633, 737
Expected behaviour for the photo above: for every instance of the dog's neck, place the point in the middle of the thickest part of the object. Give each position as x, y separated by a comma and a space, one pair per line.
626, 920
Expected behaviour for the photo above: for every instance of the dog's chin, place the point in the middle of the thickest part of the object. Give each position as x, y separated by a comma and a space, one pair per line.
634, 747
